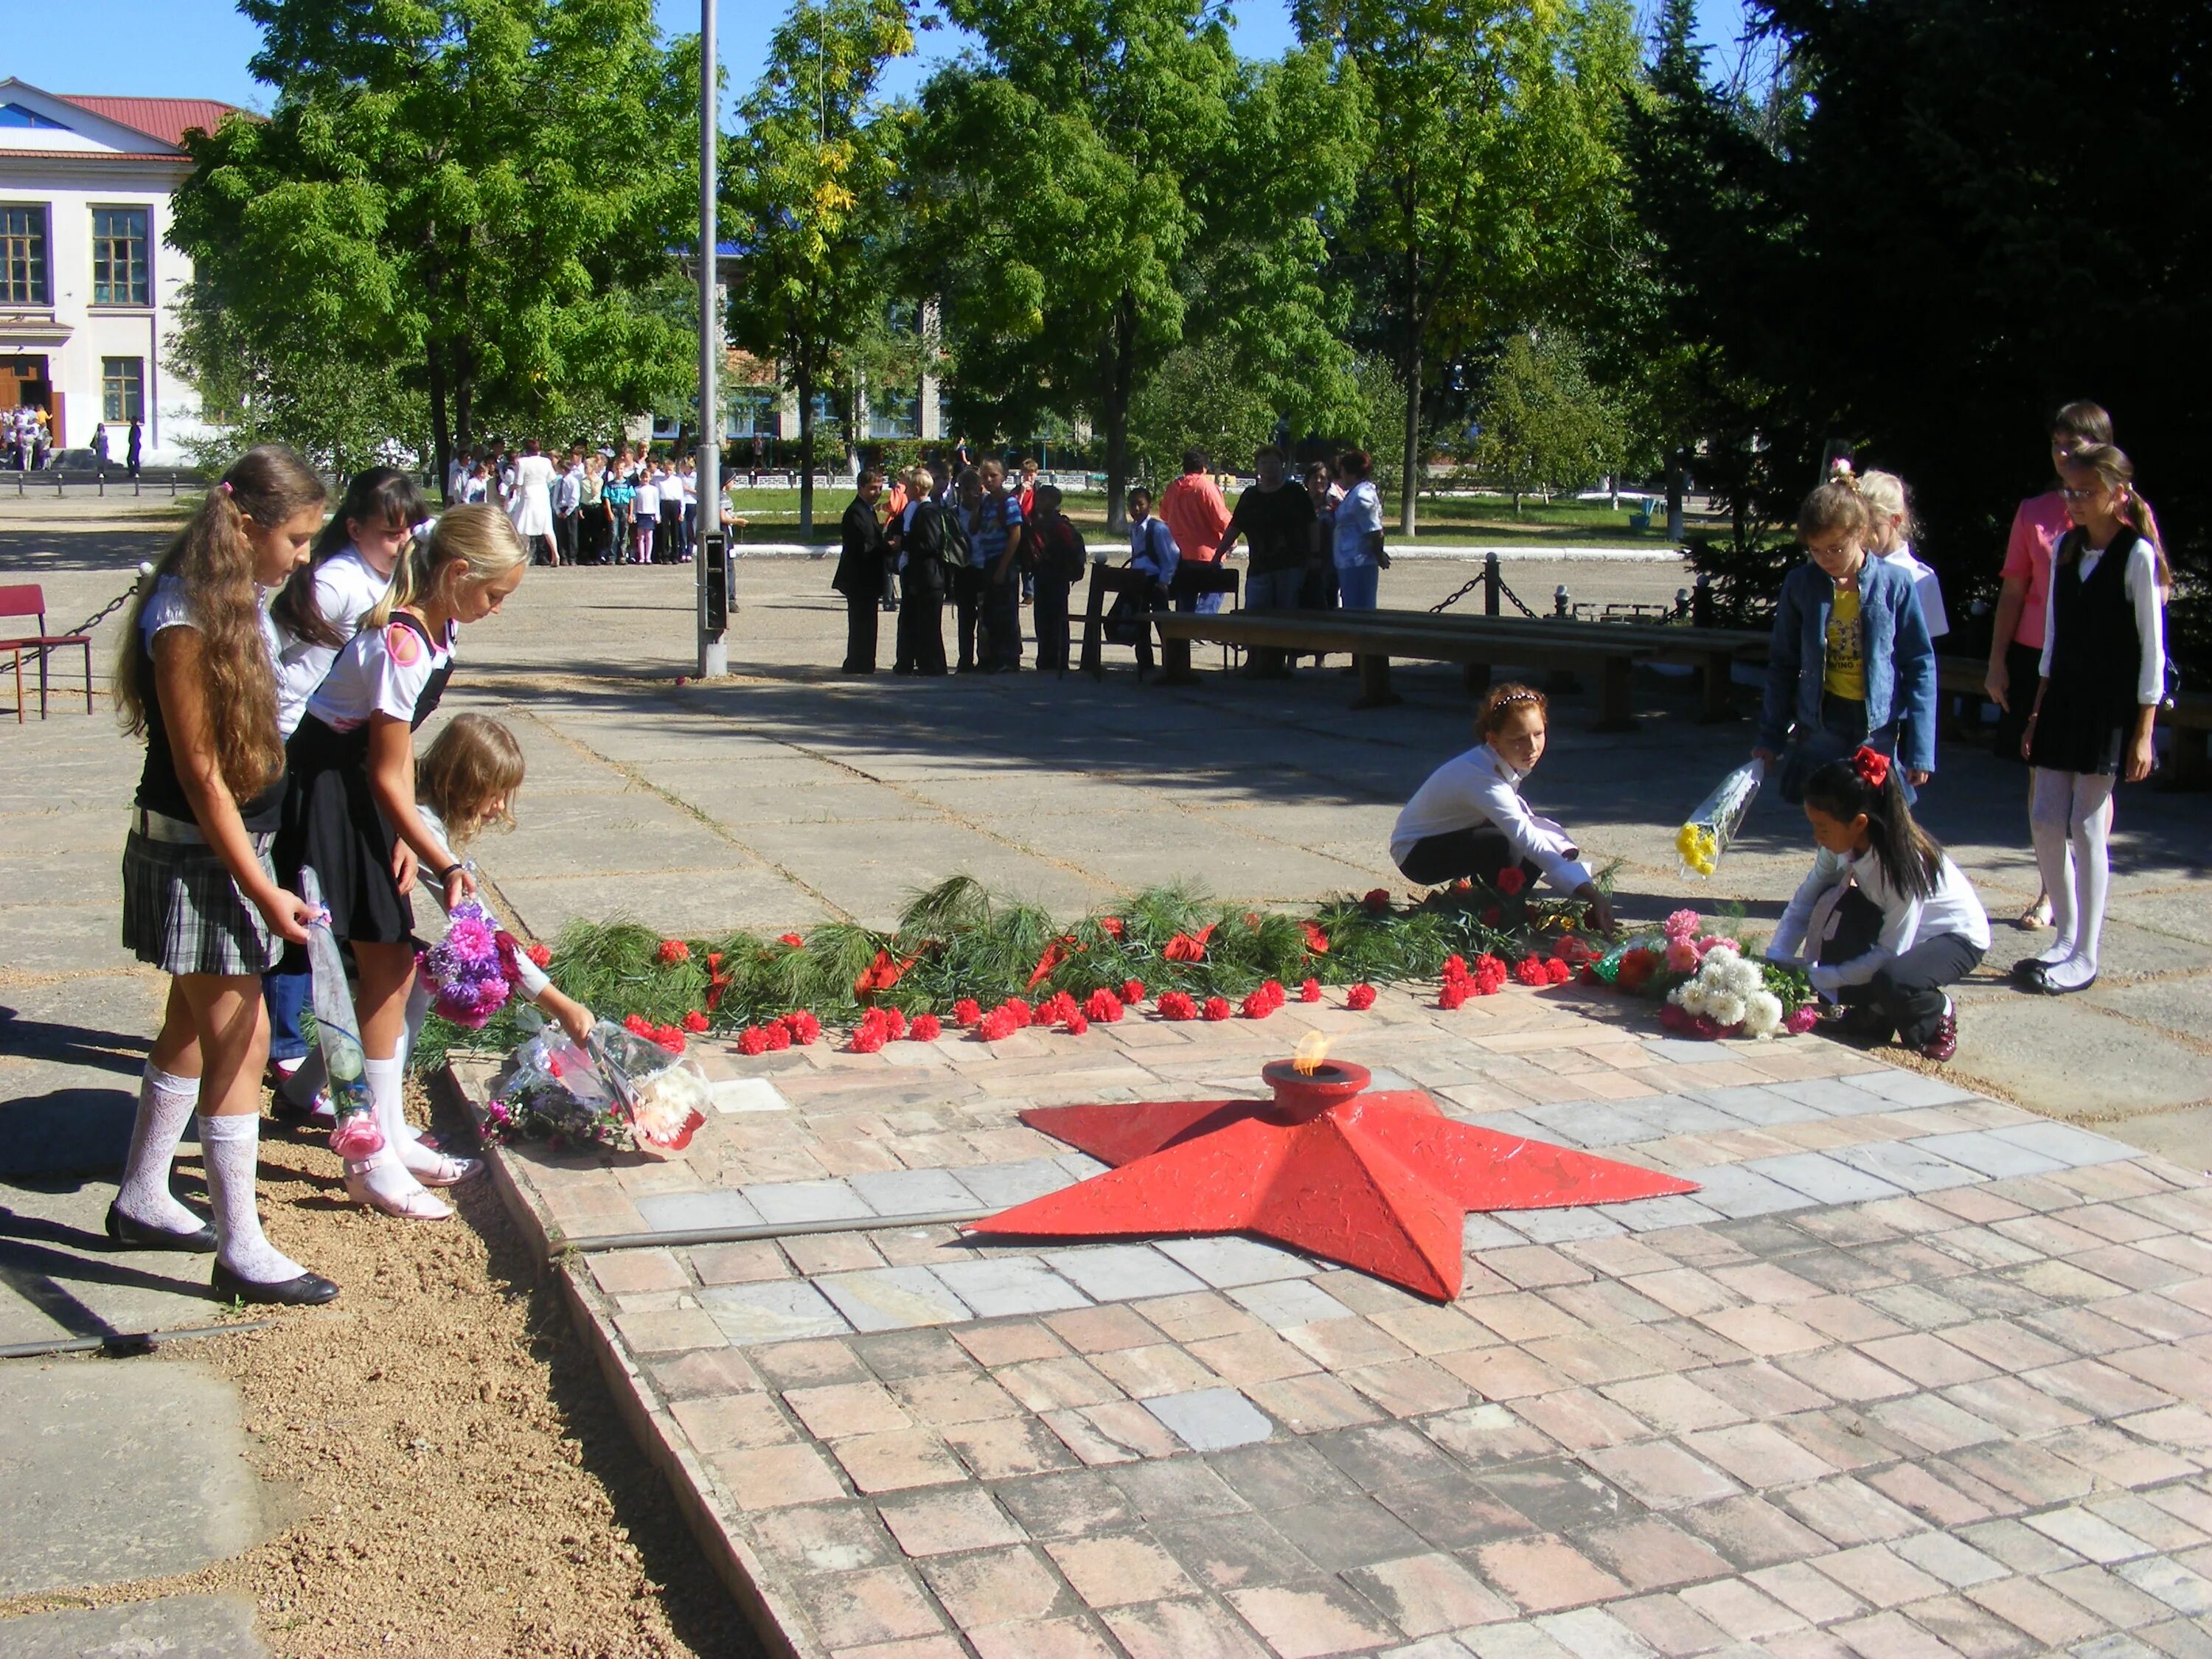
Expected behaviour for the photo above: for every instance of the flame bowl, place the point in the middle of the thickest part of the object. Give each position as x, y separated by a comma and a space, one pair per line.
1303, 1095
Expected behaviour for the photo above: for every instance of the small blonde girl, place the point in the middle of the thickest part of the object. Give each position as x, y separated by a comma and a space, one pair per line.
350, 816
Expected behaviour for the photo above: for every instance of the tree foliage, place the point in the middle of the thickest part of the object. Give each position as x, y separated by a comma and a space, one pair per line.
1545, 425
809, 187
467, 189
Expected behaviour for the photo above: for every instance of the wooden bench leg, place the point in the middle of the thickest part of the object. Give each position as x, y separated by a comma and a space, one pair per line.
1175, 662
2188, 766
1374, 690
1094, 628
1719, 688
1614, 713
1475, 675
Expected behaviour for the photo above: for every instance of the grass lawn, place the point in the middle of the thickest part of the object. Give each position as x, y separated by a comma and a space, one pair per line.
772, 515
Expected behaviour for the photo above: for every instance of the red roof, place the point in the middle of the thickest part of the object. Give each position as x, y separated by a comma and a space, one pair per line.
166, 118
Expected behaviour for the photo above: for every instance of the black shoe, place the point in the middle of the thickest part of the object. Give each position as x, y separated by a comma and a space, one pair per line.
137, 1235
2029, 971
308, 1291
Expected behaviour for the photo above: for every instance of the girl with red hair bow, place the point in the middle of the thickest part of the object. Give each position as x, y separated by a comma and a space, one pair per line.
1885, 919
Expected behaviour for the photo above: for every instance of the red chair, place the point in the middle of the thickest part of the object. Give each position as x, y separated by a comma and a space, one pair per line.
30, 600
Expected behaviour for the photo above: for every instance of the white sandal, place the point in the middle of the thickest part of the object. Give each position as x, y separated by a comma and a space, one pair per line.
451, 1172
413, 1205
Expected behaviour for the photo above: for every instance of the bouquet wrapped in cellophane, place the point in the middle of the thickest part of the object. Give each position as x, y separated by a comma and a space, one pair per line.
1713, 822
357, 1134
614, 1091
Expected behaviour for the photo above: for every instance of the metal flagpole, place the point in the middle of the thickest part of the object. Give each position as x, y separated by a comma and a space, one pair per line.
710, 556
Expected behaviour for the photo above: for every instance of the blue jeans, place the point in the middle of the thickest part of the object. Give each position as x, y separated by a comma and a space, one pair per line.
1357, 585
1274, 589
287, 995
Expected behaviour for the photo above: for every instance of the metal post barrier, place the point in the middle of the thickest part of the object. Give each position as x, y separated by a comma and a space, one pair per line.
1492, 581
1701, 603
1561, 605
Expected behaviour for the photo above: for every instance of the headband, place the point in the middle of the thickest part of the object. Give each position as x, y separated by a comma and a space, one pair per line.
1872, 767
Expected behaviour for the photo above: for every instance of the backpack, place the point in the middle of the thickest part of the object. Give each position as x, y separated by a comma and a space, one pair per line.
1061, 553
925, 549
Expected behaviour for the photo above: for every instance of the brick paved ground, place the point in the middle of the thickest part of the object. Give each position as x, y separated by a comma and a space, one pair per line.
1913, 1372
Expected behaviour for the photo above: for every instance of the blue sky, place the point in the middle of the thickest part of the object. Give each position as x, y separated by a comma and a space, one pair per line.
198, 48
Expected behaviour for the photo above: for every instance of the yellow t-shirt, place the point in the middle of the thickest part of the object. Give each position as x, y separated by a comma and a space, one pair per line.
1845, 675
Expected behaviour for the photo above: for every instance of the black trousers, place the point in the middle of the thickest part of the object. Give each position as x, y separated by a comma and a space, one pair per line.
921, 630
1049, 617
1907, 990
564, 537
1000, 643
1481, 854
860, 615
968, 586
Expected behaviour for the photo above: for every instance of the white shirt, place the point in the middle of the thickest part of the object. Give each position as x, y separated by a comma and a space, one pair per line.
1478, 787
167, 607
648, 497
1153, 547
346, 590
1925, 585
1358, 516
1953, 907
2150, 618
569, 490
383, 671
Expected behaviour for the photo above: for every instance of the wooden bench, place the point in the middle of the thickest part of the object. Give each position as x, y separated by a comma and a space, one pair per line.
1191, 577
2190, 719
1372, 638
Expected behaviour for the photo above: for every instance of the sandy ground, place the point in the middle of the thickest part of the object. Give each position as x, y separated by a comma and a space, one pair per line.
449, 1473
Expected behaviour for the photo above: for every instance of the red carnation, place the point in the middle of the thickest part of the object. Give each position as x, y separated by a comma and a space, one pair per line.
1316, 941
675, 950
1493, 916
752, 1041
1102, 1004
966, 1012
1377, 899
1455, 966
1310, 990
1020, 1010
1558, 970
1529, 970
1133, 992
1216, 1008
777, 1036
1361, 996
1183, 948
867, 1037
637, 1025
1273, 990
1177, 1005
1258, 1006
540, 954
1077, 1025
695, 1022
1111, 926
1510, 880
670, 1038
926, 1028
791, 939
803, 1026
1453, 995
997, 1025
894, 1024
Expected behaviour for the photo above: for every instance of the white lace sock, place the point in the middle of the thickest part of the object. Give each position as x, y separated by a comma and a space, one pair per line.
2089, 824
232, 1146
165, 1105
2049, 816
387, 1088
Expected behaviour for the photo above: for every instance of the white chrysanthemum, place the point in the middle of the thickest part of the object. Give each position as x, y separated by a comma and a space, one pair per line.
1762, 1014
1727, 1009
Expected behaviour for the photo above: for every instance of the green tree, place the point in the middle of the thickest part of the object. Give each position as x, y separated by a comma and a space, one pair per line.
1198, 397
1545, 425
1102, 179
809, 188
1491, 173
469, 188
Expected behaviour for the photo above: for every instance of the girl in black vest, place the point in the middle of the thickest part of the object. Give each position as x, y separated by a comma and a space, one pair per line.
349, 815
201, 899
2102, 675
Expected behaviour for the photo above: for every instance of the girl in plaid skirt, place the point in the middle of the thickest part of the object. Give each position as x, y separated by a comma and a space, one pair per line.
196, 676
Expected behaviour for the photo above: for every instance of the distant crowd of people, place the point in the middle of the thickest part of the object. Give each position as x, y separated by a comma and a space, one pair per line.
27, 441
989, 542
629, 507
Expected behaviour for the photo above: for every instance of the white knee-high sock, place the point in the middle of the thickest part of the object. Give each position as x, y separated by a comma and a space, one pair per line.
2049, 821
2092, 879
165, 1105
387, 1081
232, 1146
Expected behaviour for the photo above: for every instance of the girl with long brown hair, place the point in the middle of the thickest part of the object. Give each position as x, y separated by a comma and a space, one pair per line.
200, 900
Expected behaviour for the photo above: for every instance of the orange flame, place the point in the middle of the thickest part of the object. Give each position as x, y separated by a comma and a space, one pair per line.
1312, 1049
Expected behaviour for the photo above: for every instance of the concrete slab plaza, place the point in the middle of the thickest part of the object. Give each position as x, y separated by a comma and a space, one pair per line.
1914, 1370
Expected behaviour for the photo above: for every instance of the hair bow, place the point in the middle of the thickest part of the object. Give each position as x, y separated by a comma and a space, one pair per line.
1840, 471
1872, 766
420, 532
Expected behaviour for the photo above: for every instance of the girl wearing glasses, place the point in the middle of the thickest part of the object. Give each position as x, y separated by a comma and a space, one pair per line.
2101, 675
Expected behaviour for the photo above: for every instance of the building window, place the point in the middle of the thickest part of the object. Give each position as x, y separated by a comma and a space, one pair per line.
118, 257
894, 414
123, 389
752, 412
23, 257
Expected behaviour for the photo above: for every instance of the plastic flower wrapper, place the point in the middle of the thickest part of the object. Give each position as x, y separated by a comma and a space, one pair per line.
357, 1135
465, 975
1713, 822
665, 1096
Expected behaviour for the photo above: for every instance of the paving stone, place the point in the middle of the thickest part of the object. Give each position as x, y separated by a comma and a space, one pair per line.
892, 1298
1122, 1272
1429, 1594
1908, 1164
1544, 1573
775, 1312
1285, 1303
997, 1285
1823, 1178
911, 1192
2181, 1589
942, 1521
1115, 1570
1229, 1552
2065, 1143
1180, 1628
1648, 1554
1001, 1186
172, 1626
1980, 1149
1558, 1495
1212, 1419
786, 1201
1311, 1619
665, 1212
1732, 1190
1227, 1261
1661, 1475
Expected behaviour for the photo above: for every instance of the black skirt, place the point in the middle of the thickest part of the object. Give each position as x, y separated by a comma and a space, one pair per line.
2024, 665
2075, 734
332, 826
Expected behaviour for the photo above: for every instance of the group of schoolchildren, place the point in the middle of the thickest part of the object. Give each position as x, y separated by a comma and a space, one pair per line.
1884, 920
629, 506
279, 666
988, 542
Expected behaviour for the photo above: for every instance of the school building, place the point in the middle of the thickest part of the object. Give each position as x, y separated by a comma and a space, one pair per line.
88, 291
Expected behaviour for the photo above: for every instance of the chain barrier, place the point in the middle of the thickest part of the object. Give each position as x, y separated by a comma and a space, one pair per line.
1469, 588
38, 652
